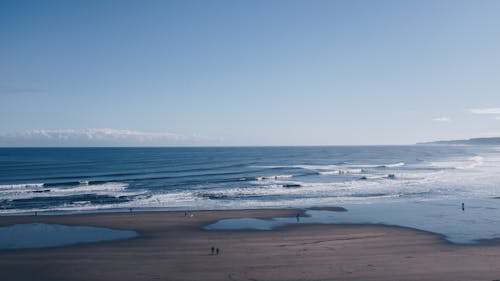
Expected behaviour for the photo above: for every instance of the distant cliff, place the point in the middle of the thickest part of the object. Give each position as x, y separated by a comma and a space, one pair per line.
474, 141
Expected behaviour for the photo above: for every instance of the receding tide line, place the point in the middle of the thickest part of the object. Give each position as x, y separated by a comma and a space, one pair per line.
476, 223
42, 235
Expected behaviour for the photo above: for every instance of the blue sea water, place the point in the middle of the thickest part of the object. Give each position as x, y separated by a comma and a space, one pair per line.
57, 180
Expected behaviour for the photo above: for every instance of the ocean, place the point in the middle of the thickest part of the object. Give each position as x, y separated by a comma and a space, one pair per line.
72, 180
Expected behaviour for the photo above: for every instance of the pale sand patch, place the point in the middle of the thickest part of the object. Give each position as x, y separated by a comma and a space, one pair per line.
174, 247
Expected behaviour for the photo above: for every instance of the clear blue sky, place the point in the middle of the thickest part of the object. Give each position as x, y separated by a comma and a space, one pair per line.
248, 72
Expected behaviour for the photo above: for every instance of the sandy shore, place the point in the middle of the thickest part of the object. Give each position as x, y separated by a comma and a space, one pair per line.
173, 247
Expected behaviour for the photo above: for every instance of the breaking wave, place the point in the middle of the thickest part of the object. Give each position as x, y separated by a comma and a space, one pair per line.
233, 181
29, 191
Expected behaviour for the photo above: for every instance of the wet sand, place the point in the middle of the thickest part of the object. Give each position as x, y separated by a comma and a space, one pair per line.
174, 247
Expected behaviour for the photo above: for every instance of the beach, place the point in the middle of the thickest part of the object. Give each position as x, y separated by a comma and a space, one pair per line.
250, 140
173, 246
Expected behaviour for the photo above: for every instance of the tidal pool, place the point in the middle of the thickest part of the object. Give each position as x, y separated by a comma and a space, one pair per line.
42, 235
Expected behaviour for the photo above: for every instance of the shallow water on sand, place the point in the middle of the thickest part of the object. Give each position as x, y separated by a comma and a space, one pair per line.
41, 235
479, 221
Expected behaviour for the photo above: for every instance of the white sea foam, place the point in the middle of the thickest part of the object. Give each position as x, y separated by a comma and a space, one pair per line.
266, 193
21, 186
26, 191
274, 177
341, 172
304, 167
327, 173
344, 167
465, 177
367, 166
400, 164
419, 185
460, 164
304, 190
474, 162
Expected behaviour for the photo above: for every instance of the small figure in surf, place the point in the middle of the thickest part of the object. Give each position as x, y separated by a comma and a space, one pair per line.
463, 206
298, 217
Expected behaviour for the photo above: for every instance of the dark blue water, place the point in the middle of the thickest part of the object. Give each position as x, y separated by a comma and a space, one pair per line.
75, 179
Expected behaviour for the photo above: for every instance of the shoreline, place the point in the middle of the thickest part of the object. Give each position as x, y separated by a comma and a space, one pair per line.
171, 246
269, 214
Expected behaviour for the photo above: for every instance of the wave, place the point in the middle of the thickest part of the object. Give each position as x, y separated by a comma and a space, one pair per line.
29, 191
258, 194
342, 171
395, 165
276, 177
254, 192
331, 169
254, 188
474, 162
460, 164
379, 166
266, 193
303, 167
372, 195
327, 173
21, 186
50, 184
348, 189
379, 177
67, 183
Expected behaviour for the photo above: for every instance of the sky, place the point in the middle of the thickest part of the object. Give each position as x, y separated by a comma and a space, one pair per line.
134, 73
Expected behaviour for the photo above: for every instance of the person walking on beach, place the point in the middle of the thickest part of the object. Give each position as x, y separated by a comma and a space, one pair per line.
298, 217
463, 206
217, 251
213, 250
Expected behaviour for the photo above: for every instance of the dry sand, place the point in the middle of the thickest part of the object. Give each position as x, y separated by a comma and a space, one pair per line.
173, 247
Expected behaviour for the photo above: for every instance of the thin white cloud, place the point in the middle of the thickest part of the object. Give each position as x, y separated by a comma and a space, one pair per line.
100, 137
442, 119
490, 111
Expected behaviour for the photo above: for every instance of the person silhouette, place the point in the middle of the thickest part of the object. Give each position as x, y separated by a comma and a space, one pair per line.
298, 217
217, 251
213, 250
463, 206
